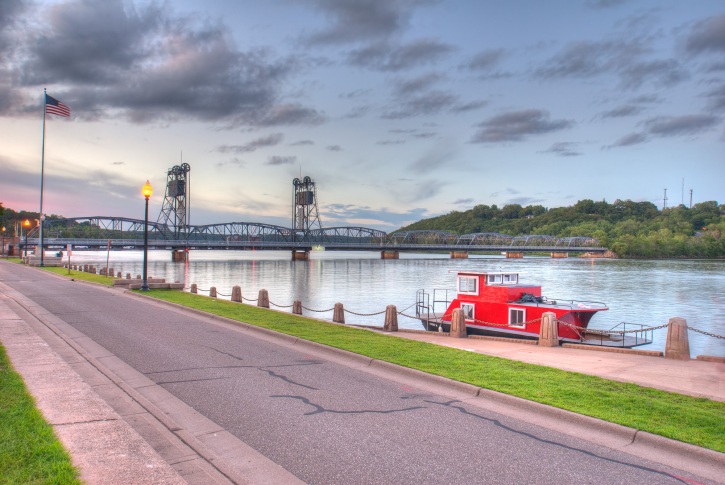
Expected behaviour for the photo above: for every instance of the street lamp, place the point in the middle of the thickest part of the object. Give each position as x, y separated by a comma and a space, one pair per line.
26, 225
146, 191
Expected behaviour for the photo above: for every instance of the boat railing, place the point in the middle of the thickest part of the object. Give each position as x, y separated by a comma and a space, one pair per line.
624, 334
573, 304
429, 308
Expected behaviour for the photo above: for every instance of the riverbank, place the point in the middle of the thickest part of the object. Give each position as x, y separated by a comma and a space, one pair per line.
386, 344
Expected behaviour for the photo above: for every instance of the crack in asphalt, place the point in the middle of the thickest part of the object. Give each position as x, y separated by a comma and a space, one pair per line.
287, 379
320, 409
192, 380
496, 422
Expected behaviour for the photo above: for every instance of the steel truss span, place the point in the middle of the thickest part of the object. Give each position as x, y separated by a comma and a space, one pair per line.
96, 231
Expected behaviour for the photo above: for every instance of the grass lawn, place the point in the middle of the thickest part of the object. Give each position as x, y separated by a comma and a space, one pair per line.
698, 421
29, 451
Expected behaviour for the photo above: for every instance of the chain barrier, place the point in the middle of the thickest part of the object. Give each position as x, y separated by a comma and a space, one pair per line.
577, 329
364, 314
406, 309
706, 333
317, 311
222, 294
280, 306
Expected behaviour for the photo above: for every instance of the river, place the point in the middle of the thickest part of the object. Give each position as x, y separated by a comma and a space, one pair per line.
644, 292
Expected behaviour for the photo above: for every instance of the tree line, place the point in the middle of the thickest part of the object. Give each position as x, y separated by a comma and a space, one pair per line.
629, 229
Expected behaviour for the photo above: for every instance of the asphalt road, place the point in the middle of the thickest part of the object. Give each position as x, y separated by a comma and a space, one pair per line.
322, 420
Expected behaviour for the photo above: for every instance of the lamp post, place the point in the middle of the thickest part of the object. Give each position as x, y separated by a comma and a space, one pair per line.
26, 225
146, 191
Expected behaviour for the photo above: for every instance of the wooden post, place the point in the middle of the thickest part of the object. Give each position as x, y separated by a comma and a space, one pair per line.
677, 345
193, 288
458, 324
128, 276
389, 254
263, 299
391, 319
212, 292
237, 293
297, 307
549, 331
338, 314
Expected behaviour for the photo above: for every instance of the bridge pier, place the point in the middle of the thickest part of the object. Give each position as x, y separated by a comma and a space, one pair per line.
514, 254
179, 255
459, 254
389, 254
300, 255
558, 255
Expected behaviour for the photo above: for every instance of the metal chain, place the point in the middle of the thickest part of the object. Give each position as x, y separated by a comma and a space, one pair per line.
281, 306
706, 333
318, 311
364, 314
250, 299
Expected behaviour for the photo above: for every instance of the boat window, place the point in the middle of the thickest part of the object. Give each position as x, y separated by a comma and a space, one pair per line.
468, 284
494, 278
517, 317
468, 310
511, 279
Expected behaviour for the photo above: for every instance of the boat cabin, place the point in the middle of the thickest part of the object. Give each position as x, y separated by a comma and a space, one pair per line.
491, 292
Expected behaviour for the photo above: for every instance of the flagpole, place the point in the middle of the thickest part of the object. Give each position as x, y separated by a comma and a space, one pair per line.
42, 169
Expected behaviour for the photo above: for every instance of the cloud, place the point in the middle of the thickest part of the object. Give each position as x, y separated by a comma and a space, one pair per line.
383, 56
628, 140
563, 149
390, 142
302, 143
517, 125
484, 61
587, 59
681, 125
277, 160
362, 20
622, 111
707, 35
717, 98
426, 104
440, 155
382, 217
463, 201
667, 126
266, 141
624, 58
605, 3
146, 65
664, 73
334, 148
415, 85
470, 106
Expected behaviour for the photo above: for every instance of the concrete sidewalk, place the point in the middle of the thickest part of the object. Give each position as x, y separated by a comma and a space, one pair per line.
698, 378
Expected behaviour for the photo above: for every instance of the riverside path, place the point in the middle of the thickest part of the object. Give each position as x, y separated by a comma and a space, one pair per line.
247, 406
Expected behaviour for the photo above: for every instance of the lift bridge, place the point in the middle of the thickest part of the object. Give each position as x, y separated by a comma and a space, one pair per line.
173, 232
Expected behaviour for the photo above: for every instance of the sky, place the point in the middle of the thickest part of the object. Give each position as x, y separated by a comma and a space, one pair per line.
398, 110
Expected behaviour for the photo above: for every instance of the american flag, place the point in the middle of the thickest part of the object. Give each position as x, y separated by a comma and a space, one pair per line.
55, 107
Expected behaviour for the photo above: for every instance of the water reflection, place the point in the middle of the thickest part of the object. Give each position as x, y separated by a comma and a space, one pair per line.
646, 292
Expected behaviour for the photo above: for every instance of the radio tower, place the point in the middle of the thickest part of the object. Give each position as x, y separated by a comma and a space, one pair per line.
176, 209
305, 217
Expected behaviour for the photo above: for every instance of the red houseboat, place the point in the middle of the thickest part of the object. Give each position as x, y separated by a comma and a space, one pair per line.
496, 303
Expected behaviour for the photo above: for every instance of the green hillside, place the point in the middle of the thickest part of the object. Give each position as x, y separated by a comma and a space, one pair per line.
630, 229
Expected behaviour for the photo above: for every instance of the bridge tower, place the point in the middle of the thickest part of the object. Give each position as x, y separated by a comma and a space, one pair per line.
175, 209
305, 217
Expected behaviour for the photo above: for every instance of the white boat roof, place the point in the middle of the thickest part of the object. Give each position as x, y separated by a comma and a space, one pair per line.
483, 273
